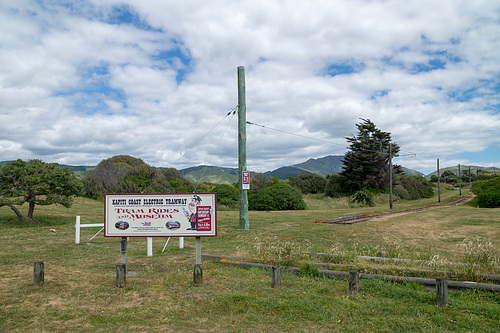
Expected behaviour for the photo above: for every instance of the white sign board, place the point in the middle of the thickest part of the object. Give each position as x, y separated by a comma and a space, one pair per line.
160, 215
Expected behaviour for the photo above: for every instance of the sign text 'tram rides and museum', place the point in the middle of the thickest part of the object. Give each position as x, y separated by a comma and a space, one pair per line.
160, 215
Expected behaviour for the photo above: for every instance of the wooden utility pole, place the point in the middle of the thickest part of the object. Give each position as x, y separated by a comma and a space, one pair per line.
439, 182
390, 175
470, 181
242, 149
459, 180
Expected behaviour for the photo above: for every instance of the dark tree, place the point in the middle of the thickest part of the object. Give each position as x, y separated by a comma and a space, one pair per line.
128, 174
449, 177
36, 183
309, 183
258, 182
366, 165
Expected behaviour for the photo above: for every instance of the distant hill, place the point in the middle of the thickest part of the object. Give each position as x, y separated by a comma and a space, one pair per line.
473, 169
328, 165
285, 172
211, 174
411, 172
79, 170
322, 166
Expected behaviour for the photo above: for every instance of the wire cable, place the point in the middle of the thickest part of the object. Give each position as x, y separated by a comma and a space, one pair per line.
233, 111
324, 141
210, 159
302, 136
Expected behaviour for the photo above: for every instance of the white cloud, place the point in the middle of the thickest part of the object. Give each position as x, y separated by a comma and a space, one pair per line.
80, 82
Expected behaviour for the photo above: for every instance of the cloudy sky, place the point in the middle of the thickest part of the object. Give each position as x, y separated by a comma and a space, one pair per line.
81, 81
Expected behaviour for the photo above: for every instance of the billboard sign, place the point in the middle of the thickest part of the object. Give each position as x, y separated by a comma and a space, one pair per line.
160, 215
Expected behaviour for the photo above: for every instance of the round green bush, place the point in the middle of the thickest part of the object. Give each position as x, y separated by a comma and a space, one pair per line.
488, 192
280, 196
227, 195
363, 197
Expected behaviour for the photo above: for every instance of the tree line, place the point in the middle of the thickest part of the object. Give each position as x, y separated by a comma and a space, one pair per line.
367, 171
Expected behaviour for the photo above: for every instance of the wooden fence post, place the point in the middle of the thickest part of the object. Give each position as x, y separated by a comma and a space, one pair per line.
276, 276
121, 275
198, 275
353, 282
442, 292
38, 274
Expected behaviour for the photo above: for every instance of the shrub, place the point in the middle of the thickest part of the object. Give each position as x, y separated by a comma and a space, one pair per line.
412, 188
401, 192
280, 196
334, 186
226, 195
363, 197
488, 192
309, 183
449, 177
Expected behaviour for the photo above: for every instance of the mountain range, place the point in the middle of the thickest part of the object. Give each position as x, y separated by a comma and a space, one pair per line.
328, 165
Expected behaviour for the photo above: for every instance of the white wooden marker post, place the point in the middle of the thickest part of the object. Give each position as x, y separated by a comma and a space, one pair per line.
150, 246
77, 231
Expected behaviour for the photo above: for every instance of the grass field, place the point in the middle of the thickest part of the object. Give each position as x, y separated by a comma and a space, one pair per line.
79, 293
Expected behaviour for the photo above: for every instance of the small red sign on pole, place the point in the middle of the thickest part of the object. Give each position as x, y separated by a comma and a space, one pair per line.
245, 180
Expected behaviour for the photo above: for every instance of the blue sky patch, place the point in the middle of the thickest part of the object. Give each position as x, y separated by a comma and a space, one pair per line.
343, 69
125, 14
379, 93
178, 59
492, 154
92, 99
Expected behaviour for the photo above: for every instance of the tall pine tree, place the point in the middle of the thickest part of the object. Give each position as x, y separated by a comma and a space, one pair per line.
366, 165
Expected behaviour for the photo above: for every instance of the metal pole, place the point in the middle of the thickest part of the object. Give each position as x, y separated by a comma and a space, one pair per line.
242, 149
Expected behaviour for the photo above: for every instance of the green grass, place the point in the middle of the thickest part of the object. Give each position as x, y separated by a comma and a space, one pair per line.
79, 293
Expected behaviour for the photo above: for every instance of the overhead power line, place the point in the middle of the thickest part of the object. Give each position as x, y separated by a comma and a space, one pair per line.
300, 135
324, 141
233, 111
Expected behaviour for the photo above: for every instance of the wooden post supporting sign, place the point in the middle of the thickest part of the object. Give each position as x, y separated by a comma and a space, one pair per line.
121, 275
198, 267
123, 250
